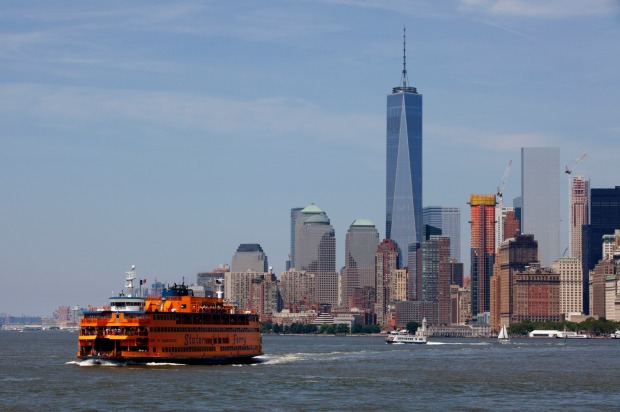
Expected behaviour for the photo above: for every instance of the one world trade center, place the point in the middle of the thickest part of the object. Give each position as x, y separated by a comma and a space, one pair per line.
403, 216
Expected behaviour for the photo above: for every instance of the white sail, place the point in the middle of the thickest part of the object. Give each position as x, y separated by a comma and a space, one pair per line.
503, 334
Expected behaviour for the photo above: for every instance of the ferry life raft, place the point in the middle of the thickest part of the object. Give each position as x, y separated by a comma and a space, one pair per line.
174, 328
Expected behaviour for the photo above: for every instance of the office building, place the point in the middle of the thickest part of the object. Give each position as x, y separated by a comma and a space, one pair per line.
403, 220
448, 219
571, 284
540, 191
436, 273
536, 295
315, 241
291, 258
386, 259
514, 254
360, 247
604, 220
482, 251
297, 289
578, 213
511, 225
249, 256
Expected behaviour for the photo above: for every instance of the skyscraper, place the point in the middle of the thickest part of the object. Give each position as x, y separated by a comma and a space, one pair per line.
540, 190
604, 219
360, 247
290, 263
448, 219
249, 256
315, 241
403, 217
578, 213
386, 259
315, 252
482, 251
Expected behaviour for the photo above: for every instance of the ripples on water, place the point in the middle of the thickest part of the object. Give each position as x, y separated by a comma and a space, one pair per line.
39, 372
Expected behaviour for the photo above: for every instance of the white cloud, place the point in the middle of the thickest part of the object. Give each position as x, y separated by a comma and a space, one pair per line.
543, 9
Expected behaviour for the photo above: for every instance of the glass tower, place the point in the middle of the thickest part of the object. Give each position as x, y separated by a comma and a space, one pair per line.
403, 216
359, 267
540, 191
448, 219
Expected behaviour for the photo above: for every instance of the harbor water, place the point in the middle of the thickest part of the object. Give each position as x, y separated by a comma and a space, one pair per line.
321, 373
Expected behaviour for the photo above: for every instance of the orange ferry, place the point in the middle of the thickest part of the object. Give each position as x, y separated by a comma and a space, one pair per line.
176, 328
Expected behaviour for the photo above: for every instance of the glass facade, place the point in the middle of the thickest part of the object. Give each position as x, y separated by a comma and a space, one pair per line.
604, 219
448, 219
482, 252
403, 218
360, 247
540, 191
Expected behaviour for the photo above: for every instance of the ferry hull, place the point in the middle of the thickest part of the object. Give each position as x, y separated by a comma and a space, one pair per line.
219, 360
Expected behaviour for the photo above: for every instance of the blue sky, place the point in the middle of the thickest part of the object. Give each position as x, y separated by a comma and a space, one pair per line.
164, 134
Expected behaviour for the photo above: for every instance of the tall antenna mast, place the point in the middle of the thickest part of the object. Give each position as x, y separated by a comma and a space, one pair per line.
404, 79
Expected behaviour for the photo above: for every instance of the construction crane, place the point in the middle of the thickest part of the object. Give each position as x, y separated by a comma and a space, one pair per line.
500, 188
571, 167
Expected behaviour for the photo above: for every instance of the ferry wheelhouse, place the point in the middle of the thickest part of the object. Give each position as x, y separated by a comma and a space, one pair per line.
174, 328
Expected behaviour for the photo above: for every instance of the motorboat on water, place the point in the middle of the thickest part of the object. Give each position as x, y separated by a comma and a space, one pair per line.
404, 337
616, 334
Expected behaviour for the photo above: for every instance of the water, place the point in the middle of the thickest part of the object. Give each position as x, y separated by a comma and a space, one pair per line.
38, 372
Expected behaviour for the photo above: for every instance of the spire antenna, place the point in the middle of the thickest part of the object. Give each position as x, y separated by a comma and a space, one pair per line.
404, 79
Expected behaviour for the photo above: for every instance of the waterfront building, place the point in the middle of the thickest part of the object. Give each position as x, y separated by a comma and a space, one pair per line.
448, 219
460, 303
360, 246
238, 287
578, 213
571, 284
540, 191
605, 270
403, 220
386, 260
514, 254
482, 251
604, 220
265, 296
363, 299
249, 256
398, 285
415, 311
297, 289
536, 295
436, 274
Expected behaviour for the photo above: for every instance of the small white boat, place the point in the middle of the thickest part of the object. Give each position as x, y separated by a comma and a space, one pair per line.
503, 335
616, 334
404, 337
572, 335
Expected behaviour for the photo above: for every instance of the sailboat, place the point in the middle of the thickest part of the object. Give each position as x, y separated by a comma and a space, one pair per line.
503, 335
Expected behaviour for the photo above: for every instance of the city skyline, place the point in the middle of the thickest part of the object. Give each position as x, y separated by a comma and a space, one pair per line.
166, 135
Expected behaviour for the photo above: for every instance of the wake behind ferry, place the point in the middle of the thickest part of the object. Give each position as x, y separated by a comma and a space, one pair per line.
174, 328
